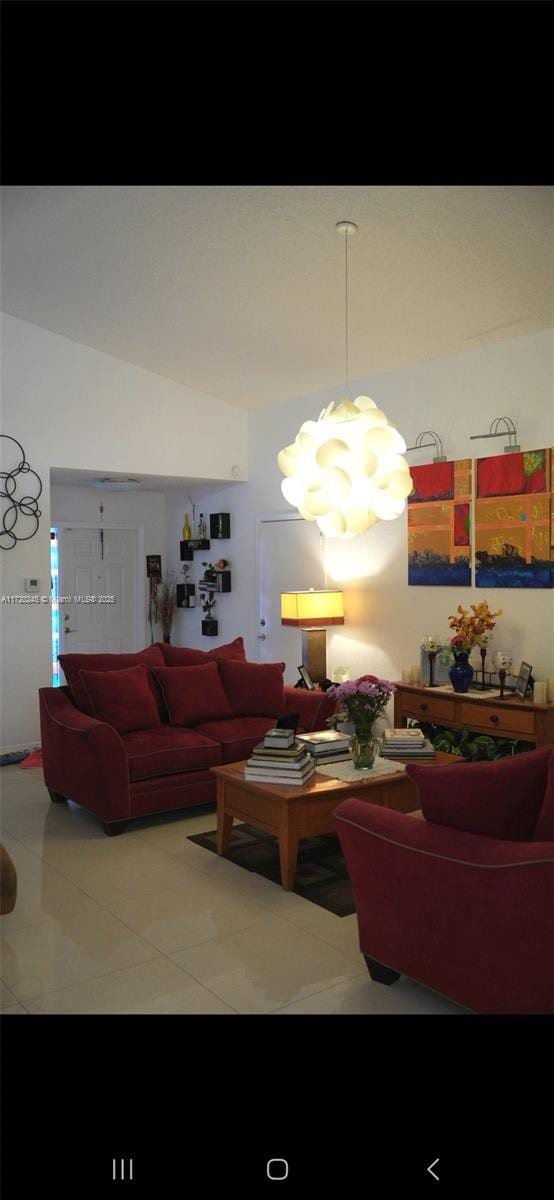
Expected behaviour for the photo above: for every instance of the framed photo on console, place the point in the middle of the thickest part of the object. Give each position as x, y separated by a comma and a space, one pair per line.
523, 680
307, 681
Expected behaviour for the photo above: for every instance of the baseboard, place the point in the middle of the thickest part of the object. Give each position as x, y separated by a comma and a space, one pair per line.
30, 746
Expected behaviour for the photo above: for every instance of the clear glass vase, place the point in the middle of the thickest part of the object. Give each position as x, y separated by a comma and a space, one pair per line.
364, 751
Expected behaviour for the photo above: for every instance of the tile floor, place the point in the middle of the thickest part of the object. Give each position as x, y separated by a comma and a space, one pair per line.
150, 923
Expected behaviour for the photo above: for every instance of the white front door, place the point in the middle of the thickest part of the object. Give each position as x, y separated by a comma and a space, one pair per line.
91, 565
290, 558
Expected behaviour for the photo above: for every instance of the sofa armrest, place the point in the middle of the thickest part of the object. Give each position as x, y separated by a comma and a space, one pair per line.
313, 707
467, 915
84, 759
57, 705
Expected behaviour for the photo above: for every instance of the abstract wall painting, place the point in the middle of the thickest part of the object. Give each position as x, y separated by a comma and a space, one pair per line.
439, 525
514, 520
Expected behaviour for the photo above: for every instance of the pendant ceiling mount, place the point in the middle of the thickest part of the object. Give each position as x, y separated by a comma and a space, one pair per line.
346, 470
347, 228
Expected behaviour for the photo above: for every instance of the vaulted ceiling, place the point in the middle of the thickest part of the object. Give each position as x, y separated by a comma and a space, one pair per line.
239, 291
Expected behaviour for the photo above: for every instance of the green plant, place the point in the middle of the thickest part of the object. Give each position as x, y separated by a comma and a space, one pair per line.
473, 747
208, 602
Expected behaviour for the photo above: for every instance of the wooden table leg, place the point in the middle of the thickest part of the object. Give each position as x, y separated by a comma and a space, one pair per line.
288, 854
288, 851
224, 820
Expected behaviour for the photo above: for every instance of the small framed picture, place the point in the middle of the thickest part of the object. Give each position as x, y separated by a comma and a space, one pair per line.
523, 680
306, 679
153, 565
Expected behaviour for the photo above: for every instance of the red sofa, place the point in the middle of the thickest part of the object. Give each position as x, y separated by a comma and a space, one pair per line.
121, 773
462, 901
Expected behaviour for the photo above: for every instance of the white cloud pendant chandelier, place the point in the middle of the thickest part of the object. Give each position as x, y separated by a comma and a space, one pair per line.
346, 470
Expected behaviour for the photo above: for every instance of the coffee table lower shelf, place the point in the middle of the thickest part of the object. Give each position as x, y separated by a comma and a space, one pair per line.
292, 813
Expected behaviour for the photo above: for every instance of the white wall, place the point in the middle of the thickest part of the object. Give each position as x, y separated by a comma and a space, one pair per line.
143, 510
385, 619
73, 407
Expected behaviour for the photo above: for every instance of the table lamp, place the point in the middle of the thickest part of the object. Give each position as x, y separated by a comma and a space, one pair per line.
312, 612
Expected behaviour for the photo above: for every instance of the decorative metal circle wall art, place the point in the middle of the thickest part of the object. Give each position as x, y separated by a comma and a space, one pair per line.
19, 513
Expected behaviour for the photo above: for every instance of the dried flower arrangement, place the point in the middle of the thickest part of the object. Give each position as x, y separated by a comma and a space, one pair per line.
166, 603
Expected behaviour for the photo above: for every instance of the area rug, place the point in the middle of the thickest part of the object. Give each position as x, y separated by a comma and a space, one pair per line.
33, 760
321, 874
21, 758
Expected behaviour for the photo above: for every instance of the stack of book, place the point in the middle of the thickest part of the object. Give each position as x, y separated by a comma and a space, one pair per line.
279, 739
326, 746
406, 743
289, 765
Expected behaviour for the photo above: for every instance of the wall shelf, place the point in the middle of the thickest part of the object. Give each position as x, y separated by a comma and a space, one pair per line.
186, 595
220, 526
188, 548
218, 583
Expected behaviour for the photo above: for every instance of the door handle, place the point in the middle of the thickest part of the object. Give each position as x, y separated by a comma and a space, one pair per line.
261, 637
70, 631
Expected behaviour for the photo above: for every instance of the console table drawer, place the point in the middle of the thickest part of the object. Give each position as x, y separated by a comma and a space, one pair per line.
428, 707
513, 718
505, 720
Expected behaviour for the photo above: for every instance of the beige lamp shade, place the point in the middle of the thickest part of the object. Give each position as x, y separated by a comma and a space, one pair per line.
312, 609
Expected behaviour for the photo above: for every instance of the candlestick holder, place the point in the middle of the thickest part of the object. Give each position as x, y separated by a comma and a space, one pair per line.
503, 664
483, 653
481, 686
431, 645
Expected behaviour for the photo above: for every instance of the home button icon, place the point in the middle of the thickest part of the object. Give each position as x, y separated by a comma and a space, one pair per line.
277, 1168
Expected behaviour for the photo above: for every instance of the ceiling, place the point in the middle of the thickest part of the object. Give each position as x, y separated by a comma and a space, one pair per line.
148, 483
239, 291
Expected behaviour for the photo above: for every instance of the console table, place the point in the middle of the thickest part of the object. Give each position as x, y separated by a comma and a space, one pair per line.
509, 718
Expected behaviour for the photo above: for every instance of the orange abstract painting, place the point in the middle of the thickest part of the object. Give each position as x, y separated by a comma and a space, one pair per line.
514, 520
439, 524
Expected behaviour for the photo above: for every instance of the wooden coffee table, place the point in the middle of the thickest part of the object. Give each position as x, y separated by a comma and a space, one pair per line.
291, 813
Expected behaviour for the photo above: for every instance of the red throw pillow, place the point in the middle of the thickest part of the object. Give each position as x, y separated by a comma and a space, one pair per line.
185, 656
254, 689
122, 698
499, 799
544, 829
193, 694
72, 664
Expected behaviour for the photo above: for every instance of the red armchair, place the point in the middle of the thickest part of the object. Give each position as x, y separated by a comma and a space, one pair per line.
462, 901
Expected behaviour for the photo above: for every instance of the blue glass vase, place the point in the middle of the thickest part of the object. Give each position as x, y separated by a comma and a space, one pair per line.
461, 673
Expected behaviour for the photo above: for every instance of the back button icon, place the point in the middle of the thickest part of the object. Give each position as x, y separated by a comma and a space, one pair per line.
431, 1170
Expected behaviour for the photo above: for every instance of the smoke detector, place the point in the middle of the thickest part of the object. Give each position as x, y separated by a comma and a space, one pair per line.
116, 485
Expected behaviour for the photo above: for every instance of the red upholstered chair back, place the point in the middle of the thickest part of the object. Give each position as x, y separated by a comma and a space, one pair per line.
511, 799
